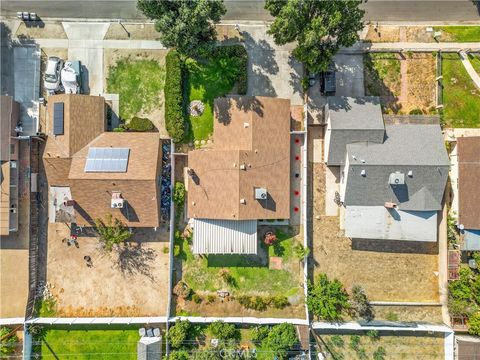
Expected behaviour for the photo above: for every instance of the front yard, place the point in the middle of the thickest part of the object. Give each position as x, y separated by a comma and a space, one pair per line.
90, 344
245, 278
461, 98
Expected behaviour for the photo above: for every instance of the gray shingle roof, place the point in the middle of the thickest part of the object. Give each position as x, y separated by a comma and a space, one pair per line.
352, 120
416, 148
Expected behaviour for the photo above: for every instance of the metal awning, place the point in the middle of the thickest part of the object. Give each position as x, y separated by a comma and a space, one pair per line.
212, 236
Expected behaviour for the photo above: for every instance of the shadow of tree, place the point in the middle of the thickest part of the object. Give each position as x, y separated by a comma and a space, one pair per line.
267, 61
136, 260
223, 107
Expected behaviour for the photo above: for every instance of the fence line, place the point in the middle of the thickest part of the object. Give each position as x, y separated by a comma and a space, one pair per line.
172, 237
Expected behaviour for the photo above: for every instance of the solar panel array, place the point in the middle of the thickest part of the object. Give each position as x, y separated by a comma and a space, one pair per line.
107, 159
58, 118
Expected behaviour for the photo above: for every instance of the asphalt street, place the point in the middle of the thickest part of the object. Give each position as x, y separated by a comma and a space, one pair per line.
393, 10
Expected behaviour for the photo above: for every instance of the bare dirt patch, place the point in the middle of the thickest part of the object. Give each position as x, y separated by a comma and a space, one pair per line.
421, 83
384, 33
48, 31
132, 32
430, 314
388, 270
133, 282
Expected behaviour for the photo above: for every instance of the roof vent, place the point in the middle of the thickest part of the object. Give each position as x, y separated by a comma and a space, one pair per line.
117, 200
246, 125
243, 167
260, 194
354, 157
410, 173
234, 164
396, 178
390, 205
243, 201
363, 172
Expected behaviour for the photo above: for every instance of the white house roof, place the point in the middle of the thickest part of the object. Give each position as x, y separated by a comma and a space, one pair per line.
378, 222
211, 236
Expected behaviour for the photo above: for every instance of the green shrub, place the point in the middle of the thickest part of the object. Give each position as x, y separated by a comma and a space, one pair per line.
47, 307
166, 250
474, 324
280, 339
179, 194
223, 331
259, 333
211, 299
337, 341
373, 335
279, 301
305, 82
252, 302
179, 333
300, 251
391, 316
360, 305
239, 52
355, 342
327, 299
177, 250
174, 105
196, 299
379, 354
140, 125
119, 129
179, 355
7, 345
416, 112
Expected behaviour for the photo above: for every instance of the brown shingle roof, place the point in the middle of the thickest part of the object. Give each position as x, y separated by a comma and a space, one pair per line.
92, 191
250, 131
84, 120
468, 175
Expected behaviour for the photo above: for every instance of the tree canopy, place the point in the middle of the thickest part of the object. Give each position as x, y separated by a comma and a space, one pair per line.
112, 231
188, 26
280, 339
320, 28
327, 299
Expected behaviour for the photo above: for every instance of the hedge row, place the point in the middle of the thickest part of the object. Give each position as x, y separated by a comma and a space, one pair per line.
174, 112
239, 52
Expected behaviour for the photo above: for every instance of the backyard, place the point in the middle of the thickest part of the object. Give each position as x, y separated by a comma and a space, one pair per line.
274, 276
461, 99
138, 77
90, 344
222, 73
77, 288
372, 345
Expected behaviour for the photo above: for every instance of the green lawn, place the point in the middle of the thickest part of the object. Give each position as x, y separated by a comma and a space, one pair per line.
475, 61
250, 272
459, 33
139, 83
90, 344
207, 81
461, 98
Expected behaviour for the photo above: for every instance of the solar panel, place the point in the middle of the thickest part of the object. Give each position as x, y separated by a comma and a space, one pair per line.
107, 159
58, 118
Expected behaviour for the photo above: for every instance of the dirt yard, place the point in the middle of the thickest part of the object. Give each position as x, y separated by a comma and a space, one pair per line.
430, 314
420, 83
388, 270
132, 282
47, 31
131, 32
384, 33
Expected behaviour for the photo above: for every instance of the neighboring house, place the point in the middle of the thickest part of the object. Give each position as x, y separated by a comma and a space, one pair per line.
92, 173
393, 188
10, 111
468, 150
243, 177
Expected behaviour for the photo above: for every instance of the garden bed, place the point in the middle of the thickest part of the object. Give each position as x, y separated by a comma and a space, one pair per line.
461, 99
380, 346
248, 279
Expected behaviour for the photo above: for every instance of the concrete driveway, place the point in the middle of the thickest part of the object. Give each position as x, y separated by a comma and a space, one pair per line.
349, 75
272, 71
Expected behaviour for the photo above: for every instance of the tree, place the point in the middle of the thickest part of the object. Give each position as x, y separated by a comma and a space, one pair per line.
8, 341
223, 331
327, 299
179, 195
178, 334
179, 355
279, 340
319, 28
188, 26
112, 231
360, 304
474, 324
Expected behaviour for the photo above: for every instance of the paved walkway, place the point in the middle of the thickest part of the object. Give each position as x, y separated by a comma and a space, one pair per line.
410, 46
100, 44
470, 70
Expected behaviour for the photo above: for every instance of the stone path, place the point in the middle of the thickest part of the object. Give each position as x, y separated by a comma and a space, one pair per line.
470, 70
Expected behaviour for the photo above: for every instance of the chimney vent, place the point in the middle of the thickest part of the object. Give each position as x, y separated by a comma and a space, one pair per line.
243, 201
363, 172
243, 167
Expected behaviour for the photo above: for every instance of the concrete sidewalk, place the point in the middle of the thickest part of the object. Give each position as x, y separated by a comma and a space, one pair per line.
100, 44
361, 47
470, 70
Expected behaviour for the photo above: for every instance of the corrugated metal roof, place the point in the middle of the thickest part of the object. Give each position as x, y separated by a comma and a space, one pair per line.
377, 222
211, 236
